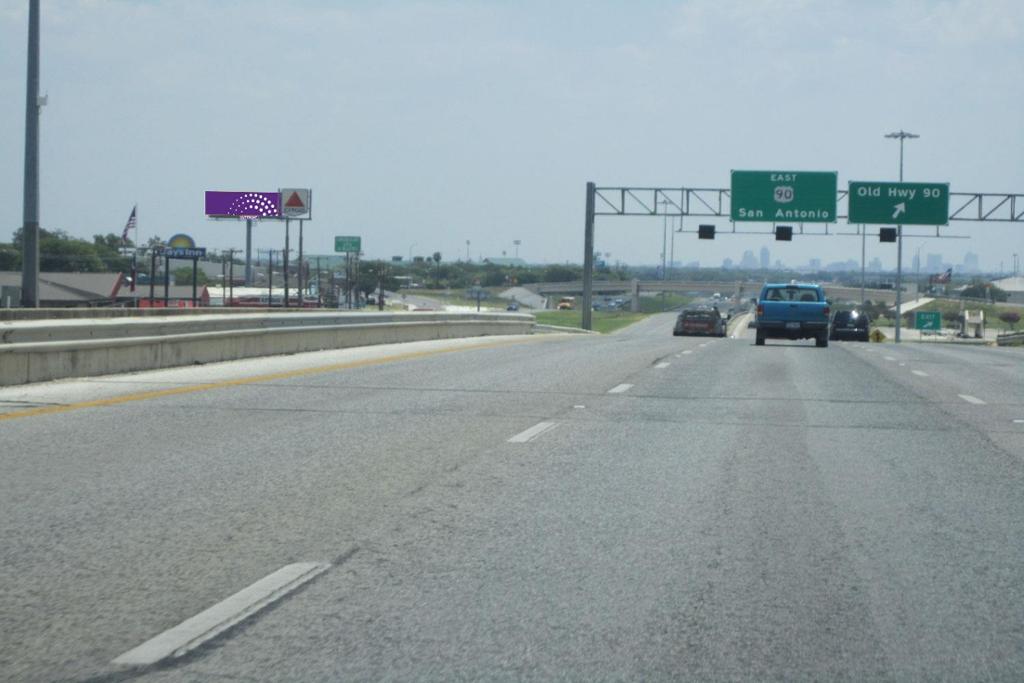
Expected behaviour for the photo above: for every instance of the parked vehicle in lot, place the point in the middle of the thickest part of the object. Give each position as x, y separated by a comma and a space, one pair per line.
703, 320
566, 303
792, 311
512, 307
852, 325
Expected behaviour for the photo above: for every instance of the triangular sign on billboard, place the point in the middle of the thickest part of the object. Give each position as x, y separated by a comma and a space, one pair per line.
295, 201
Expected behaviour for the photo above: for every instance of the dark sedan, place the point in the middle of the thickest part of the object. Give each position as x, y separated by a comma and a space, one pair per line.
702, 321
850, 325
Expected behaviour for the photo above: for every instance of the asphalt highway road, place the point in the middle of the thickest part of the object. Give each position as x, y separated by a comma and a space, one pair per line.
631, 506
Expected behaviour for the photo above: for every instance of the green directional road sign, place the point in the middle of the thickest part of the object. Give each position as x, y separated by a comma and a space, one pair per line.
928, 320
348, 243
776, 196
899, 203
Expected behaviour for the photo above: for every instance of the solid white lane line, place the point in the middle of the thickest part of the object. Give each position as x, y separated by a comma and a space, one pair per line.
193, 632
920, 373
662, 366
621, 388
533, 432
972, 399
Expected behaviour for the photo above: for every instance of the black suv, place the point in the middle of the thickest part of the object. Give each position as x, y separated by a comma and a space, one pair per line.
851, 325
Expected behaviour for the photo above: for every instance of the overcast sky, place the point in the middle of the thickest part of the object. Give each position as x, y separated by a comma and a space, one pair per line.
420, 125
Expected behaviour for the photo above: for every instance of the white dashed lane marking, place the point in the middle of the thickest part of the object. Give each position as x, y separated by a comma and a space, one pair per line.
890, 358
972, 399
661, 366
193, 632
621, 388
533, 432
687, 352
920, 373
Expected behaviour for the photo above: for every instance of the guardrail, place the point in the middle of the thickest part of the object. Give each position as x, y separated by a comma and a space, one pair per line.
1011, 339
37, 351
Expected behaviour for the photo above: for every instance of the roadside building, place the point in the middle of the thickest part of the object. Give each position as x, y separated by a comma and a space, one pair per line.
72, 290
1014, 288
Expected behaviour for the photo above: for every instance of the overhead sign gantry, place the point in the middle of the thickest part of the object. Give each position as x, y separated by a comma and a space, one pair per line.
760, 191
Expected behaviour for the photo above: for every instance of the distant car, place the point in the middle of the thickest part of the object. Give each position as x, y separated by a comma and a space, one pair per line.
512, 307
703, 321
852, 325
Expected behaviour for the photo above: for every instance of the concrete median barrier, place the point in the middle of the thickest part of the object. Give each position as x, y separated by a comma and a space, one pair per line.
164, 344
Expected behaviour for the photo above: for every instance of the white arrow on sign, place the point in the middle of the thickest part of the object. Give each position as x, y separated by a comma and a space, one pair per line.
900, 208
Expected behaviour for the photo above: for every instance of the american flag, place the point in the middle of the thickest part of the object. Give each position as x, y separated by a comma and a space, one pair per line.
129, 225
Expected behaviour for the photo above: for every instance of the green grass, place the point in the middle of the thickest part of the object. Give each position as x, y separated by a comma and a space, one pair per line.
603, 321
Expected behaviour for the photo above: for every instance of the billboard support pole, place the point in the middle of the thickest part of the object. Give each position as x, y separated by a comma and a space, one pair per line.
302, 279
284, 261
167, 281
195, 269
248, 252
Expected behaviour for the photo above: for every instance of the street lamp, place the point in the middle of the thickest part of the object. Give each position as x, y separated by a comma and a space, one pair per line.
517, 243
410, 250
900, 135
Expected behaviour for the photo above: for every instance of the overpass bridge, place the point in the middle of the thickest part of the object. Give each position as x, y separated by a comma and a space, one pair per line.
634, 288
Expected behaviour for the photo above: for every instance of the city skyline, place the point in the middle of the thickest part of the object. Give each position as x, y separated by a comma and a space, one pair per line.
423, 126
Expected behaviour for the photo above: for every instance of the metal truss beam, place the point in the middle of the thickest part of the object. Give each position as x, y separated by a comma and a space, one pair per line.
714, 203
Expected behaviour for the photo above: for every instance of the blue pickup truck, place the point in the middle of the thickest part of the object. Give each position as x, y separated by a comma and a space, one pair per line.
792, 311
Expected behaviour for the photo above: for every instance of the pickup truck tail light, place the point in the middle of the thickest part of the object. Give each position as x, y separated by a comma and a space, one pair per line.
826, 311
760, 310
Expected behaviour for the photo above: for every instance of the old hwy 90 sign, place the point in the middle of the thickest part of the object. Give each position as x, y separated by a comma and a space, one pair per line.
899, 203
772, 196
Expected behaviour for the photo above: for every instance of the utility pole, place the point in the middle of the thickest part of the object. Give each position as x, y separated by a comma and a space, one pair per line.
30, 225
900, 135
270, 281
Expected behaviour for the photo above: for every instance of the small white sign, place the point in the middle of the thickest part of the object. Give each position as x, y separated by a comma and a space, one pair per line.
295, 202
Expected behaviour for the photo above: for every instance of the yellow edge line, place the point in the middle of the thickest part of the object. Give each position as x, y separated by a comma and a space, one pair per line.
288, 374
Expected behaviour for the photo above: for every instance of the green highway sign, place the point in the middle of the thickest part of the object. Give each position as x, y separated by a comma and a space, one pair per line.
928, 320
899, 203
348, 243
775, 196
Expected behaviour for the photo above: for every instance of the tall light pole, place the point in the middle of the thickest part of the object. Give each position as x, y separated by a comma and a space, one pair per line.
410, 250
516, 243
467, 251
900, 135
30, 225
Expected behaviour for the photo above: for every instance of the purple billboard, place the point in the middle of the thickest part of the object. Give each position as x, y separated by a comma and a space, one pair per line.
258, 204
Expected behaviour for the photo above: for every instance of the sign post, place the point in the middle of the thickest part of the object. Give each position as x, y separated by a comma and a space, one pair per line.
791, 196
875, 202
